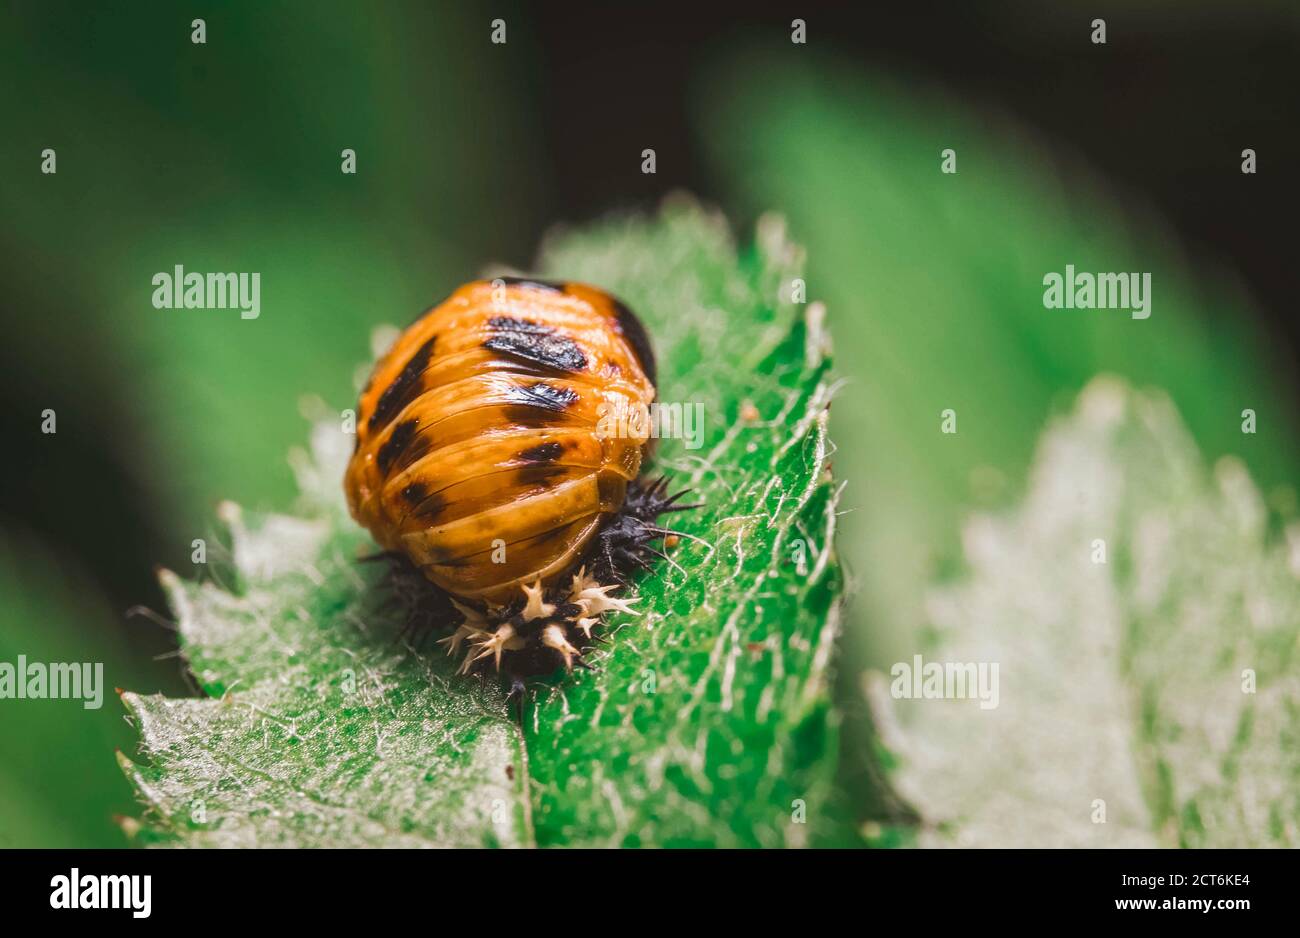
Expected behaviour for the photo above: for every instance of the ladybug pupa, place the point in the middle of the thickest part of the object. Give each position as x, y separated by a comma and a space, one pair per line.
485, 460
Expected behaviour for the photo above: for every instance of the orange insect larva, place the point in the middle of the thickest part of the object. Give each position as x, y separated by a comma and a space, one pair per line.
482, 459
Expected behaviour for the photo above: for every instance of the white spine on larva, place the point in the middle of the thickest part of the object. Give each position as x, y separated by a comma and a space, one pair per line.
535, 608
553, 637
493, 644
488, 636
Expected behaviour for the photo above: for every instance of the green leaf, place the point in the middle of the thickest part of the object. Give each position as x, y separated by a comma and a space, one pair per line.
334, 252
737, 736
52, 612
1159, 680
708, 721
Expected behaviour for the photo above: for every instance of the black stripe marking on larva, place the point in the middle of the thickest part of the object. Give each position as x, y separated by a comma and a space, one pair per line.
546, 452
418, 449
630, 325
538, 344
415, 493
544, 396
429, 508
509, 324
551, 285
397, 441
535, 475
530, 418
404, 387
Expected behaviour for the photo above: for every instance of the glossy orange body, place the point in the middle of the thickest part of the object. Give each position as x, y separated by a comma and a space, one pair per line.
483, 446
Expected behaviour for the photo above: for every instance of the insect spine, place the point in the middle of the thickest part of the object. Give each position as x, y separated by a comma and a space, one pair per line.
586, 601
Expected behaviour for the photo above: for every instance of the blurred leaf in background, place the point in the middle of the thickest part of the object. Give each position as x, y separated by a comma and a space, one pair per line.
224, 156
54, 790
934, 284
1144, 625
227, 156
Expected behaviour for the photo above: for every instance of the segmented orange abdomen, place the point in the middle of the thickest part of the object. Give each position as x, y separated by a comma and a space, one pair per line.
480, 436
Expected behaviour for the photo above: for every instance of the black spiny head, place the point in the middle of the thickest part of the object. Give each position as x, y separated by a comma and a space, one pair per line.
624, 544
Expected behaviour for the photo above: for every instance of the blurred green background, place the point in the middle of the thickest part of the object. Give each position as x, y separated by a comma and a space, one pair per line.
225, 156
